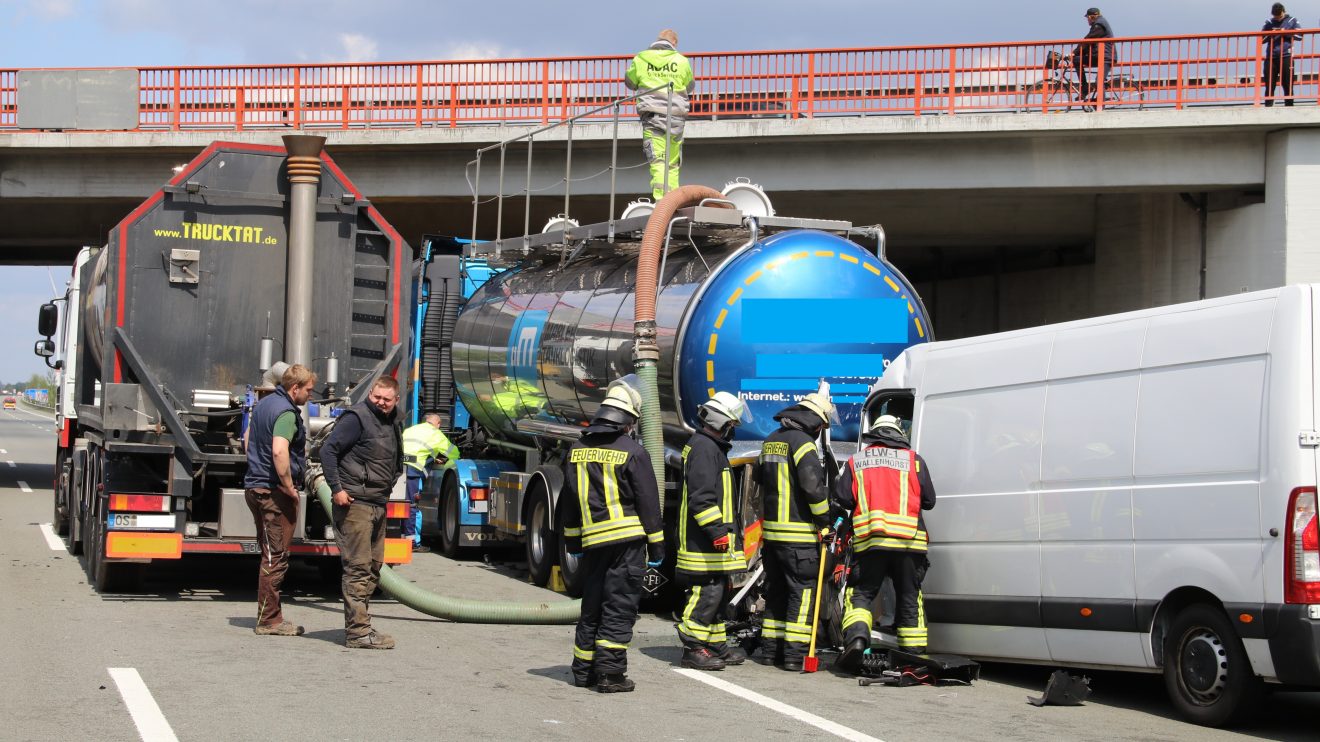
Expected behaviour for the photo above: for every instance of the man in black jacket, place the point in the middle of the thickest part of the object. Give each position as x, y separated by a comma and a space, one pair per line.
1278, 54
1087, 53
612, 519
709, 537
795, 508
362, 460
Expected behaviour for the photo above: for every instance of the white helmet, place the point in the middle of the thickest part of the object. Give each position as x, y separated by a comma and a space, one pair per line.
819, 403
723, 409
888, 425
625, 394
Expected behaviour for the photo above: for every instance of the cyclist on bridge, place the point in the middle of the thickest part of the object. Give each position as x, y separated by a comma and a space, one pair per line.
1087, 53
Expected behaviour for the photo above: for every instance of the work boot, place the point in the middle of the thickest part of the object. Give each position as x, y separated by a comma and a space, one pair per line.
732, 655
851, 658
615, 684
283, 628
421, 549
791, 666
702, 659
373, 640
588, 682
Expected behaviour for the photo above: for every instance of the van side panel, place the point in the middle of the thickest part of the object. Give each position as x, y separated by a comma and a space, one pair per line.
987, 522
1088, 586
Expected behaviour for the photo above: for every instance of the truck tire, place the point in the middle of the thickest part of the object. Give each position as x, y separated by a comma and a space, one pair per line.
104, 576
570, 569
77, 518
1206, 670
59, 520
542, 541
447, 515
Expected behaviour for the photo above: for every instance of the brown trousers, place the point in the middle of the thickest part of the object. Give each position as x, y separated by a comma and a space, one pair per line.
275, 516
360, 533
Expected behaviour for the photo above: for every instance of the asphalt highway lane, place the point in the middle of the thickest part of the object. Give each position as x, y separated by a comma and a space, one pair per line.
70, 657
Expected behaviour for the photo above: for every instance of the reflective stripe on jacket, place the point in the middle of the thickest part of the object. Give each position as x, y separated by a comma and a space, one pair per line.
423, 442
658, 66
886, 486
611, 492
706, 511
795, 501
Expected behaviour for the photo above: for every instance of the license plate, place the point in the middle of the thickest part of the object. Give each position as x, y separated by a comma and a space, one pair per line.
653, 580
141, 522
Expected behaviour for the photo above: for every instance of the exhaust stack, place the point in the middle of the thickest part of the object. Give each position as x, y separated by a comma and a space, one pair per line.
304, 171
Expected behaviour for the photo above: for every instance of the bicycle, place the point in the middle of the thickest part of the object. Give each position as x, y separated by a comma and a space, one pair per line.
1059, 89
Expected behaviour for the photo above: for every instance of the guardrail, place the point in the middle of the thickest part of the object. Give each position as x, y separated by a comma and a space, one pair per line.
1151, 72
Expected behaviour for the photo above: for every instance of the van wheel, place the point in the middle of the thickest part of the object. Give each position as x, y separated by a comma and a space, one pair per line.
542, 545
1206, 671
448, 516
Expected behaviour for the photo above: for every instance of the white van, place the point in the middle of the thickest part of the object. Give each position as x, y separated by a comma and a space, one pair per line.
1131, 492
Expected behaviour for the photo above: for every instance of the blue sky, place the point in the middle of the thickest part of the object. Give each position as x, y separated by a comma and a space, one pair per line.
141, 33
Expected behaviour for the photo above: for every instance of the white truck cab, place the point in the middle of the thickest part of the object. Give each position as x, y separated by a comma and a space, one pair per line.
1131, 492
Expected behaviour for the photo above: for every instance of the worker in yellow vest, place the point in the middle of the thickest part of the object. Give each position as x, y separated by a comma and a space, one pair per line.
663, 112
422, 444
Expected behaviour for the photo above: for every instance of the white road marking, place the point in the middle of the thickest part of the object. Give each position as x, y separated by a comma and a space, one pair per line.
12, 465
792, 712
39, 416
24, 486
3, 451
52, 540
151, 723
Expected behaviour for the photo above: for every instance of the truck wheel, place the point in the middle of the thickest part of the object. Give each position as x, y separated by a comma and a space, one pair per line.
542, 544
76, 499
59, 521
448, 517
570, 569
1206, 670
108, 577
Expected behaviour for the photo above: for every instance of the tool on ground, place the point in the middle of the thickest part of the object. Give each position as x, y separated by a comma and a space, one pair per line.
811, 663
898, 668
1064, 690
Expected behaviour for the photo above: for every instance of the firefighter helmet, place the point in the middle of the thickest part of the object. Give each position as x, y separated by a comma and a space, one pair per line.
624, 395
888, 425
819, 403
723, 409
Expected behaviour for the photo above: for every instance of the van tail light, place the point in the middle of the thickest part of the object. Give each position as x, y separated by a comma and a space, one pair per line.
1301, 578
476, 493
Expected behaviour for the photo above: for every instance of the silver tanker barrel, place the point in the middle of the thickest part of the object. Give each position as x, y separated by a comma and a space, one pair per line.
765, 319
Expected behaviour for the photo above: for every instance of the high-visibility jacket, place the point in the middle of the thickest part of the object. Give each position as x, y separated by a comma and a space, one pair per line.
706, 511
657, 66
610, 494
794, 495
886, 486
424, 442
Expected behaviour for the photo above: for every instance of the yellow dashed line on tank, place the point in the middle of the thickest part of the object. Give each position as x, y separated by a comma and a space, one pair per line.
710, 371
893, 285
752, 278
772, 265
799, 255
737, 293
719, 321
849, 258
710, 392
871, 268
824, 253
920, 332
713, 338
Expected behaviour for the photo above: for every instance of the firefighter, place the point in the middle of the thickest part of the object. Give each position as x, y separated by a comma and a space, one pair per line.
709, 539
663, 112
795, 508
612, 522
885, 486
422, 444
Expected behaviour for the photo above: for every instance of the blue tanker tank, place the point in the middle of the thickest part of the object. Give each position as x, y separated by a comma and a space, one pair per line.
766, 320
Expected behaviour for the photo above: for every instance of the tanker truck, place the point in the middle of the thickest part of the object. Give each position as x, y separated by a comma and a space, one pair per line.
519, 338
164, 334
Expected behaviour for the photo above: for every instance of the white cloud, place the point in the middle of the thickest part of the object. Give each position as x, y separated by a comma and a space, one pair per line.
357, 47
474, 50
51, 10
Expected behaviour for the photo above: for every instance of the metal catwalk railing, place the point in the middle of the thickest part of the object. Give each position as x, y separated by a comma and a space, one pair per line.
1174, 72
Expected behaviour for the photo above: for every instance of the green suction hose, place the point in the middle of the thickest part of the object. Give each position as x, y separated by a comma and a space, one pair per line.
458, 609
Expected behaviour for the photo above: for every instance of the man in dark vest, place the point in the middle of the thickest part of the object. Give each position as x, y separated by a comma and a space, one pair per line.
277, 456
362, 460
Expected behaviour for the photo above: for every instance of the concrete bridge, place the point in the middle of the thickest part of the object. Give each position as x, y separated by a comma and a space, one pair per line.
1005, 208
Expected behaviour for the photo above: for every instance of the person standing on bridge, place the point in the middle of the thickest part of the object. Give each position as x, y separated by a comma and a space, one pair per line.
276, 460
611, 512
423, 443
362, 460
709, 537
663, 112
1087, 53
1278, 54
